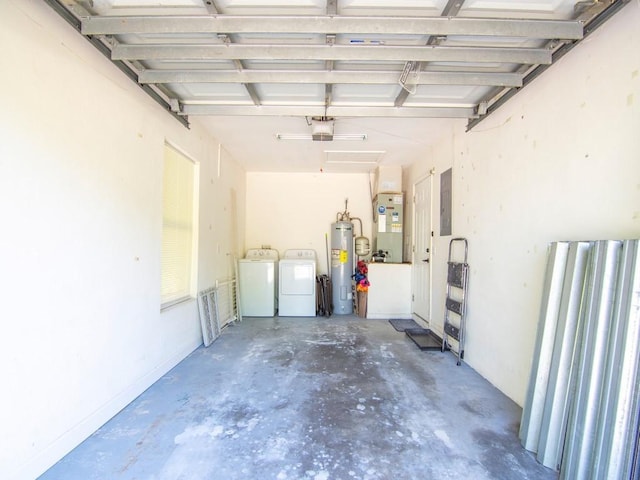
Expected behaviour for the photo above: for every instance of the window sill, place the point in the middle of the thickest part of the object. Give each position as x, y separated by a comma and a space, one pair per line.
172, 303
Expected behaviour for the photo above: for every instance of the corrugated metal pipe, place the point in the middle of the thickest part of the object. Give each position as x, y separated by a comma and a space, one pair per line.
581, 414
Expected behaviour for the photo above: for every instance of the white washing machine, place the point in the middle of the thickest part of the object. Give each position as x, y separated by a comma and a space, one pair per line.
257, 280
297, 284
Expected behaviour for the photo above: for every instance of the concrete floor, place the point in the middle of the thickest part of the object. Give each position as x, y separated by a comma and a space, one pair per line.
311, 399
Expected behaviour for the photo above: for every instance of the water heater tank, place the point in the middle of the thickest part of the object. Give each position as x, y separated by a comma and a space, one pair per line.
342, 267
363, 248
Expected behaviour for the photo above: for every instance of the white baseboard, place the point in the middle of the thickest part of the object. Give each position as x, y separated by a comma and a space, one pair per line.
47, 457
382, 316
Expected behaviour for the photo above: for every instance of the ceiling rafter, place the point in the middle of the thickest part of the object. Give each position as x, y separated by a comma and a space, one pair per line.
250, 89
331, 24
331, 111
211, 7
327, 77
330, 40
332, 7
451, 9
185, 52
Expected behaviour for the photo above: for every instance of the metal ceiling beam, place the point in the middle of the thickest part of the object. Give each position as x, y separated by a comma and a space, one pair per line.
331, 111
405, 112
185, 52
211, 7
329, 24
331, 77
332, 7
330, 40
251, 90
451, 9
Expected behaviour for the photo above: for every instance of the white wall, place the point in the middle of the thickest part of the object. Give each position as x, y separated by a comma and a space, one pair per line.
560, 161
81, 152
222, 217
80, 193
296, 210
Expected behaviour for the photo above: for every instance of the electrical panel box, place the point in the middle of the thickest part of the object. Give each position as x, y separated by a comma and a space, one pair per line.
388, 228
445, 203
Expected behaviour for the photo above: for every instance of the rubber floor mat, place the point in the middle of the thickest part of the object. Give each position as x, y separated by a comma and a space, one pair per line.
402, 324
424, 338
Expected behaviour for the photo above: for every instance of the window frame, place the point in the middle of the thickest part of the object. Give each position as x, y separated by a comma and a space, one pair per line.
188, 291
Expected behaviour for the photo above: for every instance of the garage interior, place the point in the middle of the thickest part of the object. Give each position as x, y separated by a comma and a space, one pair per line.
288, 110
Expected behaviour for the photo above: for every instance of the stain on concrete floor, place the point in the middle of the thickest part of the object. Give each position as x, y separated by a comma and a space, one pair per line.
338, 398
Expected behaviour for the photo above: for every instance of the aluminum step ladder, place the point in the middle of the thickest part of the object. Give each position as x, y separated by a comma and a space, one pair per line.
456, 301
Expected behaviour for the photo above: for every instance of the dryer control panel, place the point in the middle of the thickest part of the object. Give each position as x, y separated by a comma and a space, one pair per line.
262, 254
301, 254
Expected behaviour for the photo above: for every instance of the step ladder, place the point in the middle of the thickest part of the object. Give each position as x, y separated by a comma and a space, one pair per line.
456, 301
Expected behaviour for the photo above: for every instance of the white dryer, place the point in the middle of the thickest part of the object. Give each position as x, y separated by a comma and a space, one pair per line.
297, 284
257, 280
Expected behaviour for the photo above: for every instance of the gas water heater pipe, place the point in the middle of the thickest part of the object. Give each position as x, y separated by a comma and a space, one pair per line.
362, 244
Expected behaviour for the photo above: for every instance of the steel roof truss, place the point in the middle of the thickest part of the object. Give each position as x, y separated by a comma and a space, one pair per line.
327, 77
427, 53
330, 24
332, 111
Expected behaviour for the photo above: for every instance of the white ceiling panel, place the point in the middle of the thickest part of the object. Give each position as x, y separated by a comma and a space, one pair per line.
106, 4
397, 7
556, 9
148, 7
446, 95
349, 161
284, 64
280, 7
190, 65
361, 65
365, 94
232, 93
274, 39
290, 94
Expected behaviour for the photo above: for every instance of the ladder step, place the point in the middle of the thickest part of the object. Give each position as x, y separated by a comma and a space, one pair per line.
456, 274
454, 306
452, 331
455, 299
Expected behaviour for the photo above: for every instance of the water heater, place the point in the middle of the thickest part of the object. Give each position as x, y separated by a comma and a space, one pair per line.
342, 267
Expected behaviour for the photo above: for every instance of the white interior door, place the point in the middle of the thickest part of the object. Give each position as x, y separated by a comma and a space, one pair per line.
421, 290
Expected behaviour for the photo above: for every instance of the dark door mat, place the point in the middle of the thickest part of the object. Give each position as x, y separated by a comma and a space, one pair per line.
424, 338
402, 324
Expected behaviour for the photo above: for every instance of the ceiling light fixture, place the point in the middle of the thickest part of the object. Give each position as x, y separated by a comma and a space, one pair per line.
338, 136
322, 129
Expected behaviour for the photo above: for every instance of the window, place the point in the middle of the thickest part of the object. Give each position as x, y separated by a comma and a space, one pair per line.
179, 227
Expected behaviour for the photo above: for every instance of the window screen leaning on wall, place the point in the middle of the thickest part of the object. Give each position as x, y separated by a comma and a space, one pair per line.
178, 227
